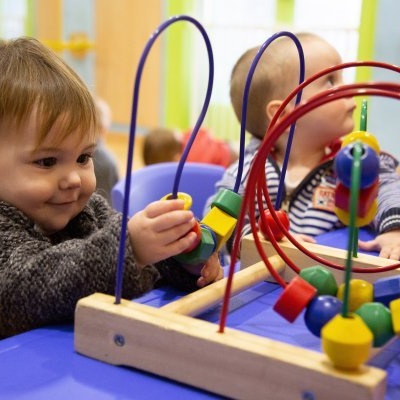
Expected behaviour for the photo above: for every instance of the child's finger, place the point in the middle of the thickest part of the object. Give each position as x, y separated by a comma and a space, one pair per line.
160, 207
174, 220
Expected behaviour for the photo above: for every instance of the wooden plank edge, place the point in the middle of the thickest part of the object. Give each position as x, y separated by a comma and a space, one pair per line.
203, 299
249, 256
234, 364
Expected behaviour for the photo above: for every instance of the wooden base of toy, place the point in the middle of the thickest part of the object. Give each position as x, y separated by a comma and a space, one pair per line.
234, 364
249, 255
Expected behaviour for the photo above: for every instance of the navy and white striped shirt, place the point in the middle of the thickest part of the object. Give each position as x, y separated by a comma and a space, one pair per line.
310, 206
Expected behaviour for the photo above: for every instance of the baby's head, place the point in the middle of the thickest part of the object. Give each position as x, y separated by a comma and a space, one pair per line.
48, 132
276, 75
162, 145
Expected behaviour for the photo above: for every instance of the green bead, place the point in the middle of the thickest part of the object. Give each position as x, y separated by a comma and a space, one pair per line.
228, 201
202, 251
321, 278
379, 320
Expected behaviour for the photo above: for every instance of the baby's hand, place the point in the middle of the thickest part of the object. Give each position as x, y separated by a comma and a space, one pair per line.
160, 231
388, 245
301, 237
210, 272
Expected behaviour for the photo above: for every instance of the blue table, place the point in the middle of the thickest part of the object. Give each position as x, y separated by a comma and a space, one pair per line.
42, 364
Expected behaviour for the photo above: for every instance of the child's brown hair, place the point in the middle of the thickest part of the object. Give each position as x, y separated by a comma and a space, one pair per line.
161, 145
34, 78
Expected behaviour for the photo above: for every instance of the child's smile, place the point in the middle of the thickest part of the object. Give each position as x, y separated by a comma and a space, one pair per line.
50, 183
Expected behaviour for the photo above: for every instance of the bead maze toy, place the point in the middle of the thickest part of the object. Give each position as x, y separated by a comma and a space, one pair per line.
169, 342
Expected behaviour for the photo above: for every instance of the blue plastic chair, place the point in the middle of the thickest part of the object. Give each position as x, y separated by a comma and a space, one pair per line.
154, 181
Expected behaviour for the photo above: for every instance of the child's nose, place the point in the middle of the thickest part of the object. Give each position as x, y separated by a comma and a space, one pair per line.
70, 180
351, 103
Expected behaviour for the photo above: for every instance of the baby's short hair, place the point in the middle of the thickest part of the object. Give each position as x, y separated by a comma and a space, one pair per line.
275, 76
34, 78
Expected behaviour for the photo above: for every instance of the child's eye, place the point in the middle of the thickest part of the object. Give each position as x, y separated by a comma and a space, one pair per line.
84, 158
331, 80
46, 162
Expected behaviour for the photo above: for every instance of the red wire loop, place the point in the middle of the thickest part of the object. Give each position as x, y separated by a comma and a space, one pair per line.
256, 188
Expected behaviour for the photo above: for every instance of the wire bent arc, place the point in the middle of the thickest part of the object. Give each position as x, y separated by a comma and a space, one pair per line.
256, 186
135, 102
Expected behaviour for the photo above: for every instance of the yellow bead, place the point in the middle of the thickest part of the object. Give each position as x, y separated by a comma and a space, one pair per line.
347, 341
365, 137
394, 306
187, 199
344, 216
221, 223
360, 292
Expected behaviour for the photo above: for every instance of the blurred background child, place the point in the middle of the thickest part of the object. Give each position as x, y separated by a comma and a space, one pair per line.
163, 145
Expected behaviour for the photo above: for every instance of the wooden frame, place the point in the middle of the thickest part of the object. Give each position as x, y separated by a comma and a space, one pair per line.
249, 256
170, 343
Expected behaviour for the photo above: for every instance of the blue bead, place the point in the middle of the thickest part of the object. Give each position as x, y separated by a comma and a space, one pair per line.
369, 165
387, 289
320, 311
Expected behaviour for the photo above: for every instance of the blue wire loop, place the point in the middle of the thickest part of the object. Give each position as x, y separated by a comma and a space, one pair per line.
244, 108
125, 209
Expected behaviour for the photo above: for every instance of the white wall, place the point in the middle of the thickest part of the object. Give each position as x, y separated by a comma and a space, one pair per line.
384, 114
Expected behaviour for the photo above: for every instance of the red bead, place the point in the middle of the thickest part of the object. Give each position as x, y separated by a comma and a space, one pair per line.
294, 298
366, 198
275, 229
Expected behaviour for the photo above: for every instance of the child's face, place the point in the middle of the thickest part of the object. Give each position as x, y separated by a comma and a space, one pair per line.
334, 119
50, 184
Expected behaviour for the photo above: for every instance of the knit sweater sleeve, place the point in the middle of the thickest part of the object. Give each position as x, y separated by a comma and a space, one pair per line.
43, 278
388, 216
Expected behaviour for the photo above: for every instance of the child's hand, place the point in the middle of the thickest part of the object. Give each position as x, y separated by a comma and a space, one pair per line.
210, 272
161, 231
388, 244
301, 237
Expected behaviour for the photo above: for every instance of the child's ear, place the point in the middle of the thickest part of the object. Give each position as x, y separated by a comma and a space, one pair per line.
273, 106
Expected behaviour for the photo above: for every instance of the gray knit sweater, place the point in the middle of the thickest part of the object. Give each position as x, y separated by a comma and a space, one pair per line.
42, 278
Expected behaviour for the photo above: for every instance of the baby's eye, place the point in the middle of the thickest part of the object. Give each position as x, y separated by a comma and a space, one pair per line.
46, 162
84, 158
331, 81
